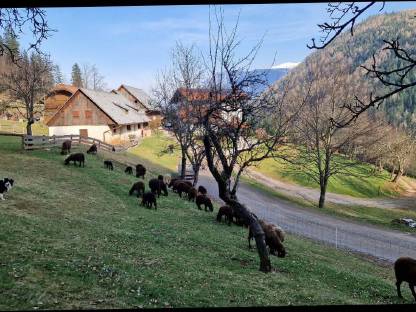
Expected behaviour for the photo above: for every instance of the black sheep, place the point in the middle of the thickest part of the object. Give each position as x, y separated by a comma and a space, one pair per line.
108, 164
405, 271
226, 211
202, 190
129, 170
137, 187
140, 171
157, 186
176, 183
182, 187
92, 149
192, 193
76, 157
66, 147
204, 200
148, 199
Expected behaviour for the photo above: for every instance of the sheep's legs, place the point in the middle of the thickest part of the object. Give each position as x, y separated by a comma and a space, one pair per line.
399, 293
412, 288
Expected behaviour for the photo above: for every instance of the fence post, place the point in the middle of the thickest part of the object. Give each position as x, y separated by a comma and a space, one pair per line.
336, 238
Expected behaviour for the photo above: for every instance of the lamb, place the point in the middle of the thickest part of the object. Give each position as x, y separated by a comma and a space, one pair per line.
192, 194
226, 211
202, 190
137, 187
76, 157
140, 171
157, 186
167, 178
274, 236
66, 147
108, 164
129, 170
405, 271
92, 149
182, 187
204, 200
148, 199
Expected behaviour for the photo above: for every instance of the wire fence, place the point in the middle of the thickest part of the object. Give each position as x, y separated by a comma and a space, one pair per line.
373, 243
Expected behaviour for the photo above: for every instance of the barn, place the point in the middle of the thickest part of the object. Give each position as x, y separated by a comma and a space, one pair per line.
56, 98
107, 116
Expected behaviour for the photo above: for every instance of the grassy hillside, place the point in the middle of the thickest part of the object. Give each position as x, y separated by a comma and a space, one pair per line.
358, 184
72, 238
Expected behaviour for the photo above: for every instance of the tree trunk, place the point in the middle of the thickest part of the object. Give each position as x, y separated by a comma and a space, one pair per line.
398, 175
196, 175
183, 164
323, 186
392, 172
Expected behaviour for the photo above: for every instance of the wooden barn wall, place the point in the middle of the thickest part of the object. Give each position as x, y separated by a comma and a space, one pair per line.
81, 111
131, 98
53, 103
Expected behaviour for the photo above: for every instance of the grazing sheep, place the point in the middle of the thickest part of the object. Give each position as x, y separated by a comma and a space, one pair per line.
226, 211
192, 194
92, 149
108, 164
129, 170
176, 183
274, 236
167, 178
182, 187
202, 190
66, 147
204, 200
76, 157
140, 171
405, 271
157, 186
137, 187
148, 199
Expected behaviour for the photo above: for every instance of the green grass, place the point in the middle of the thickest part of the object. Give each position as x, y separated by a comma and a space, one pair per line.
150, 150
358, 184
362, 214
38, 128
72, 238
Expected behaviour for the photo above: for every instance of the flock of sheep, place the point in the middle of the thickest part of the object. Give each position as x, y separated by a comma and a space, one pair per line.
404, 267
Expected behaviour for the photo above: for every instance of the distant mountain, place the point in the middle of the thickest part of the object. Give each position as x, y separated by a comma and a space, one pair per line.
271, 75
358, 49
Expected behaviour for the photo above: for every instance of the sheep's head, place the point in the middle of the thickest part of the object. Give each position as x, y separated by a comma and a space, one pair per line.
281, 253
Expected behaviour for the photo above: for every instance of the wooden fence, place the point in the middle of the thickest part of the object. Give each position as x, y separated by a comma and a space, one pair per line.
31, 142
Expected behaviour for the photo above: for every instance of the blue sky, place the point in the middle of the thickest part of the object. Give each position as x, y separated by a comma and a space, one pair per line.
131, 44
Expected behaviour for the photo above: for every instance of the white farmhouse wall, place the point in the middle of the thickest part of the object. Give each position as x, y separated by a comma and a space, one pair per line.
96, 132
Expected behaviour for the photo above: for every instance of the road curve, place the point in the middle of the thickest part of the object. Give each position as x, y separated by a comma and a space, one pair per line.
377, 242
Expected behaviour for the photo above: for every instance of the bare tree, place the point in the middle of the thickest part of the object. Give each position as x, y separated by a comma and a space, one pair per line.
28, 81
17, 20
91, 77
320, 141
175, 98
237, 132
398, 79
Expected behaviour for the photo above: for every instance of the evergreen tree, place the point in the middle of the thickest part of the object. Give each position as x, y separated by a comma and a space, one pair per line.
76, 78
10, 40
58, 76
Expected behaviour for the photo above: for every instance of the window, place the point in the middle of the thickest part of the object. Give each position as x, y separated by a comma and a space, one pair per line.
88, 114
139, 126
114, 130
128, 127
145, 124
75, 114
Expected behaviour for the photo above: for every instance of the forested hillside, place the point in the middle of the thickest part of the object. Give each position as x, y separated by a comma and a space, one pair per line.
358, 49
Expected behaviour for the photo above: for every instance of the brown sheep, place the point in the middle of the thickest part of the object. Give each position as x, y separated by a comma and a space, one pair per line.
192, 194
204, 200
157, 186
148, 199
226, 211
274, 236
174, 183
182, 187
66, 147
137, 187
140, 171
405, 271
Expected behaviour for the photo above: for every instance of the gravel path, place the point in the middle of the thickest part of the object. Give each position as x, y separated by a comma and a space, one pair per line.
380, 243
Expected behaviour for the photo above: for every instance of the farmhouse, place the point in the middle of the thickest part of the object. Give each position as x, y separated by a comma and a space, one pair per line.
56, 98
107, 116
